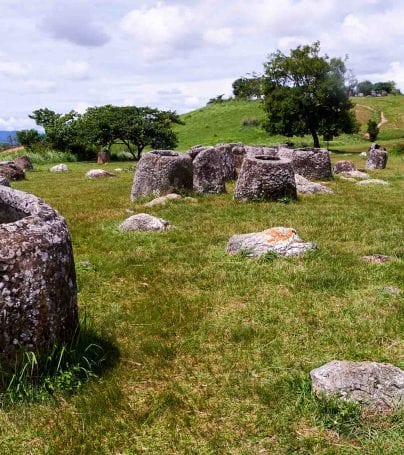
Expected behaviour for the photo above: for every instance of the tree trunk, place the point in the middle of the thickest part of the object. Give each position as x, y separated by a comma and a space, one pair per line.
103, 156
316, 141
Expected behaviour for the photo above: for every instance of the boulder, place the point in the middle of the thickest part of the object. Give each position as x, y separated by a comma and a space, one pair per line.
162, 200
265, 177
59, 168
208, 172
378, 385
377, 159
310, 163
4, 181
38, 294
24, 163
98, 174
9, 170
162, 172
144, 222
305, 186
196, 149
279, 240
372, 182
342, 167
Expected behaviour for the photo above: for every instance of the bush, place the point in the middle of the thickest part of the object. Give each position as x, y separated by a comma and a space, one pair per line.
398, 149
250, 121
373, 130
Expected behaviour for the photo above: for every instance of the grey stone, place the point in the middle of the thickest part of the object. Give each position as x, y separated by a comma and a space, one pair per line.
9, 170
279, 240
377, 385
265, 177
310, 163
162, 200
353, 175
144, 222
4, 181
305, 186
372, 182
392, 290
208, 173
162, 172
377, 159
38, 295
343, 167
59, 168
98, 174
24, 163
376, 258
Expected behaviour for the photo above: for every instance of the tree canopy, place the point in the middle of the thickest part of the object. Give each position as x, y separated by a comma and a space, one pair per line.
305, 93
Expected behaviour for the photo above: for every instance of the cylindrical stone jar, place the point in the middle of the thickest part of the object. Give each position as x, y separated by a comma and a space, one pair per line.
377, 159
208, 172
265, 177
312, 163
38, 294
162, 172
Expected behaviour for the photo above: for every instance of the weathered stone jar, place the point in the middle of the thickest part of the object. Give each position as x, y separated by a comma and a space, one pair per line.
311, 163
377, 159
208, 172
38, 295
265, 177
162, 172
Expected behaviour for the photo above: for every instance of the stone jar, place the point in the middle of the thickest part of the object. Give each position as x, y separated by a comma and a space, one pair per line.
161, 172
265, 177
313, 164
340, 167
38, 294
208, 172
24, 163
377, 159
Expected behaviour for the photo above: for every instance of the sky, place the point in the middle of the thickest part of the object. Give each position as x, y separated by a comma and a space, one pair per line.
176, 54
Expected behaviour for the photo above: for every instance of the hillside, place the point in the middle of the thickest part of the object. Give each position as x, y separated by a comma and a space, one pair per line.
225, 122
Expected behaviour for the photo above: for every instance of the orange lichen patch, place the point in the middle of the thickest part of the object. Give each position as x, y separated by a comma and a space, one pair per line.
276, 235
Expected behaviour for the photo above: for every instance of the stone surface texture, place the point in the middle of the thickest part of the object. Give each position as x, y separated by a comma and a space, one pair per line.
264, 177
279, 240
310, 163
208, 172
144, 222
24, 163
4, 181
376, 258
377, 159
353, 175
305, 186
38, 295
162, 200
99, 174
343, 166
378, 385
59, 168
9, 170
373, 182
162, 172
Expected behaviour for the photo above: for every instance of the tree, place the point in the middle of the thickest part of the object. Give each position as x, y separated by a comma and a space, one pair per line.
248, 87
305, 93
30, 139
364, 87
373, 130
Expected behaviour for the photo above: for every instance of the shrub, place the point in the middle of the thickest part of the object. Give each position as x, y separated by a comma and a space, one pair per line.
373, 130
250, 121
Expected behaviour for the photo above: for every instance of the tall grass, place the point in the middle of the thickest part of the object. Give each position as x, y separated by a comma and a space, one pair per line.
45, 157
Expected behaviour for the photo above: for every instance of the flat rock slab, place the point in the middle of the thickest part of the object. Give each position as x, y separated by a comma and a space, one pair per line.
279, 240
59, 168
98, 174
304, 186
379, 385
376, 258
162, 200
373, 182
144, 222
353, 175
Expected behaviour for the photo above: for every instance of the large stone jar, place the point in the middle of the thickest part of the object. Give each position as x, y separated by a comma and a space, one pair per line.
162, 172
265, 177
208, 172
310, 163
38, 294
377, 159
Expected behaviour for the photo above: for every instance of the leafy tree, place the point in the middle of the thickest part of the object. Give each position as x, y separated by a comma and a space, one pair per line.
364, 87
30, 139
248, 87
305, 93
373, 130
217, 99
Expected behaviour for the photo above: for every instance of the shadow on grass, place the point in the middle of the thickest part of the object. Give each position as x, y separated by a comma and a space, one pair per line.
64, 369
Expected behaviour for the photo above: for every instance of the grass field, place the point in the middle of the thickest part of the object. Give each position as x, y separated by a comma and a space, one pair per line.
215, 351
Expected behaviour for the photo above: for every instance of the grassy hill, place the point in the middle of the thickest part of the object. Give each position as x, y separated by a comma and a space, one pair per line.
238, 121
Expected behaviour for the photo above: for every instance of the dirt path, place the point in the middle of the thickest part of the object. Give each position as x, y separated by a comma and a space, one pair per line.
14, 149
383, 120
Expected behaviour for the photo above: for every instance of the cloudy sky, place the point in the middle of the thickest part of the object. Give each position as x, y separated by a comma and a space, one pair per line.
175, 54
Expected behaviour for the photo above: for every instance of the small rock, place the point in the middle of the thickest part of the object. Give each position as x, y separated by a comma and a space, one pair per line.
373, 182
378, 385
118, 169
363, 154
129, 211
98, 173
144, 222
59, 168
376, 258
344, 166
354, 175
162, 200
279, 240
305, 186
392, 290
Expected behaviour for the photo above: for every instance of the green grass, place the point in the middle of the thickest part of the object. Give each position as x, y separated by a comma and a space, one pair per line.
236, 121
215, 351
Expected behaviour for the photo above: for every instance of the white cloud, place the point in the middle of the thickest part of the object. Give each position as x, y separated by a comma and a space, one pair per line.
40, 85
16, 123
14, 69
81, 107
76, 70
218, 37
